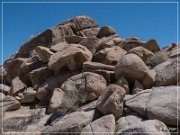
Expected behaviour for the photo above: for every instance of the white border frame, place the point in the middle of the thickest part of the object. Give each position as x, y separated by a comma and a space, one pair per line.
28, 2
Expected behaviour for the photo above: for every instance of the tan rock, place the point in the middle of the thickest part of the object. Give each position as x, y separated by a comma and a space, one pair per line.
45, 89
109, 56
28, 96
47, 38
107, 71
106, 31
17, 86
74, 39
111, 101
143, 53
123, 83
104, 125
10, 104
73, 122
80, 22
91, 32
133, 68
44, 53
59, 47
87, 86
56, 100
71, 57
2, 97
4, 89
38, 76
91, 43
152, 45
131, 43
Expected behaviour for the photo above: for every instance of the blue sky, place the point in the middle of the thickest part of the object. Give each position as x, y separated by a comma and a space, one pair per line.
146, 21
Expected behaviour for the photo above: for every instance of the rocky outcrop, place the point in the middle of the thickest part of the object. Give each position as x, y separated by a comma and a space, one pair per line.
76, 78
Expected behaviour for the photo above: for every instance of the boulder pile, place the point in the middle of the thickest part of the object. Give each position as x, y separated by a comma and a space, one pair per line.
77, 78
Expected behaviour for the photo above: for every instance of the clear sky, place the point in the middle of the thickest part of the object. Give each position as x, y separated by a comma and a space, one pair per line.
146, 21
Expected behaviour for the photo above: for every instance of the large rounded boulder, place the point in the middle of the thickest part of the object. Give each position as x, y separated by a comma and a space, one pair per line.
71, 57
86, 86
133, 68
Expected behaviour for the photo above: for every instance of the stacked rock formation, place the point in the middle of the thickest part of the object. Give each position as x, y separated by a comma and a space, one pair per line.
78, 78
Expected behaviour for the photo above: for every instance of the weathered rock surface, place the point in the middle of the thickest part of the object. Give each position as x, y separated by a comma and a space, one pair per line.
131, 43
71, 57
104, 125
38, 76
56, 100
167, 73
91, 43
73, 122
152, 45
91, 32
74, 39
4, 89
47, 38
126, 121
149, 127
9, 104
143, 53
107, 71
133, 68
106, 31
44, 53
80, 22
28, 96
111, 100
148, 103
45, 89
17, 86
87, 86
109, 56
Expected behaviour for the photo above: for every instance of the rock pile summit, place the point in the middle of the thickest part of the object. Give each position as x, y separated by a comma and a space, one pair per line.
78, 78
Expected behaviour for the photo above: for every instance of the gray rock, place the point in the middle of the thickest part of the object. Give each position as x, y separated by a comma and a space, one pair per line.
149, 127
4, 89
167, 73
44, 53
104, 125
159, 103
9, 104
86, 86
17, 86
111, 100
28, 96
56, 100
73, 122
